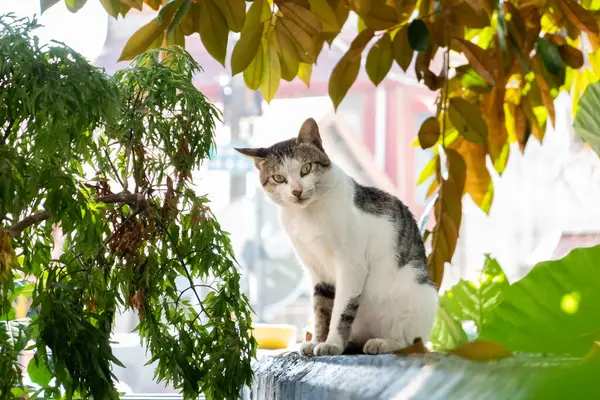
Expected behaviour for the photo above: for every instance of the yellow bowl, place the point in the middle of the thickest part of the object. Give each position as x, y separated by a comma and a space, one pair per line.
274, 336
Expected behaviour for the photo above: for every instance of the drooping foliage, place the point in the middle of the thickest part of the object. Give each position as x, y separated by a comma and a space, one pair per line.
108, 162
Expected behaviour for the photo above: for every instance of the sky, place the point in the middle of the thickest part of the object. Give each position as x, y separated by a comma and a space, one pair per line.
84, 31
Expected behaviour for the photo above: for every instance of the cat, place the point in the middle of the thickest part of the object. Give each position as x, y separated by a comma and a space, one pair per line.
361, 245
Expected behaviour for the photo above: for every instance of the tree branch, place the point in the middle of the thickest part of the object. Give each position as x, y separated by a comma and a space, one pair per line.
18, 227
136, 200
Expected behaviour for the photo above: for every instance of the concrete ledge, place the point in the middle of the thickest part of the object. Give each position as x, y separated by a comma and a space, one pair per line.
434, 376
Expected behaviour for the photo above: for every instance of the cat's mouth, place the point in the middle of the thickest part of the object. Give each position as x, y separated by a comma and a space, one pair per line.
302, 201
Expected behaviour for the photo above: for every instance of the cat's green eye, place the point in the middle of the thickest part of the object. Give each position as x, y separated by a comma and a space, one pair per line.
305, 170
278, 178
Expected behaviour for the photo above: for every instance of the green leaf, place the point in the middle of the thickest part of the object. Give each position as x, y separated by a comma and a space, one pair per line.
475, 300
271, 75
403, 53
253, 74
587, 118
38, 372
447, 332
467, 119
213, 31
418, 35
346, 70
551, 57
46, 4
380, 59
75, 5
553, 309
246, 48
342, 77
234, 12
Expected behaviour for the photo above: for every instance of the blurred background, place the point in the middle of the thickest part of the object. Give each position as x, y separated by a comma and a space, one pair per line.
552, 190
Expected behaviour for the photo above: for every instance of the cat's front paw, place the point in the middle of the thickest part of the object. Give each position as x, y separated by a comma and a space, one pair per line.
308, 349
328, 349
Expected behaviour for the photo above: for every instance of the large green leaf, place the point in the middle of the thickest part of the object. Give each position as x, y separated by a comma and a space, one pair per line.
447, 332
587, 119
468, 301
554, 309
475, 300
38, 372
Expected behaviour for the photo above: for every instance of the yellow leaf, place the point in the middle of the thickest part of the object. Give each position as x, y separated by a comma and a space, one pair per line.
259, 11
345, 72
112, 7
547, 99
381, 16
429, 133
271, 75
246, 48
480, 60
341, 13
432, 188
403, 53
154, 4
361, 7
448, 215
478, 182
288, 55
492, 108
304, 73
326, 14
305, 19
137, 4
418, 347
579, 16
481, 350
176, 38
467, 119
572, 57
428, 170
307, 50
148, 34
213, 31
234, 12
380, 59
190, 22
253, 74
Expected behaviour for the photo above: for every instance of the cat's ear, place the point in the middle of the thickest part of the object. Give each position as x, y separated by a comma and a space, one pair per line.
309, 133
257, 154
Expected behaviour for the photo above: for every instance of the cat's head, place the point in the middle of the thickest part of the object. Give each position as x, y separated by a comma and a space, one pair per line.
294, 172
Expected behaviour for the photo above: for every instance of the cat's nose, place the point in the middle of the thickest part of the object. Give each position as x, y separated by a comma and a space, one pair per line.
297, 192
